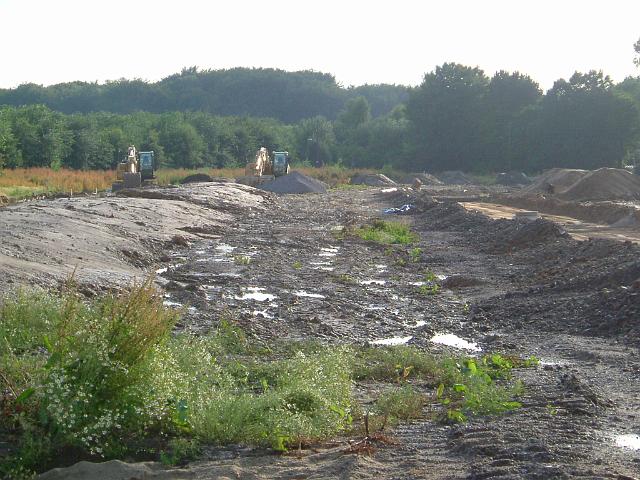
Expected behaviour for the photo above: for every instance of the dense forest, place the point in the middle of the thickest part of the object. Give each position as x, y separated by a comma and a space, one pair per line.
458, 118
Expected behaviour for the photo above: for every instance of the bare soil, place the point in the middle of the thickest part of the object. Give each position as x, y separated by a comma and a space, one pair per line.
513, 287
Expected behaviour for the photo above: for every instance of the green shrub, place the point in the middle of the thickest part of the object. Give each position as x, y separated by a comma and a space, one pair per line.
387, 232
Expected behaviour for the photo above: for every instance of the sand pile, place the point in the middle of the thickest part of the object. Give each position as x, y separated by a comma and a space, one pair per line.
371, 179
455, 177
604, 184
558, 178
295, 182
425, 178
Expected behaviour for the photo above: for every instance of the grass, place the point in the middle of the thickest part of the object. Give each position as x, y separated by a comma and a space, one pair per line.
387, 232
106, 379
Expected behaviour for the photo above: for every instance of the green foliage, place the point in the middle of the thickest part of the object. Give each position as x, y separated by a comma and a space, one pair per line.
400, 403
297, 265
241, 259
387, 232
415, 254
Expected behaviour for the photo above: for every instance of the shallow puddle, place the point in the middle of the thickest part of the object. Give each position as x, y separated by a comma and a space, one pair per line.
302, 293
455, 341
257, 294
160, 271
263, 313
223, 247
389, 190
171, 303
392, 341
629, 440
419, 323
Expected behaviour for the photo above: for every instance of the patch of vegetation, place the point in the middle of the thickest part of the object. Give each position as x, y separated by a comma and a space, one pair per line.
241, 259
106, 379
297, 264
415, 254
387, 232
345, 278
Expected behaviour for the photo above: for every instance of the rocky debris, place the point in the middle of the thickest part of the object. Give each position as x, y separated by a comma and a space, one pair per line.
295, 182
455, 177
197, 178
116, 470
513, 179
454, 282
604, 184
556, 180
425, 178
4, 200
372, 180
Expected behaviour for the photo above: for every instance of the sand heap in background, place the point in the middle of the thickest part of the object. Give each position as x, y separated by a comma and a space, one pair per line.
425, 178
455, 177
197, 178
559, 178
295, 182
371, 179
604, 184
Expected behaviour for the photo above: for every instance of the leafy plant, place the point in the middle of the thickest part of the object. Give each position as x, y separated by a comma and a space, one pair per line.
387, 232
242, 259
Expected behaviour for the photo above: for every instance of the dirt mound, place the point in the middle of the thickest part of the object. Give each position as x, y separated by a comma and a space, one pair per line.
604, 184
455, 177
425, 178
371, 179
512, 179
197, 177
295, 182
556, 180
523, 234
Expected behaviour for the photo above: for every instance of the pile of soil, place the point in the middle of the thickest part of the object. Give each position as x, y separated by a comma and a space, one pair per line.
513, 179
372, 180
519, 234
425, 178
455, 177
604, 184
197, 178
559, 178
295, 182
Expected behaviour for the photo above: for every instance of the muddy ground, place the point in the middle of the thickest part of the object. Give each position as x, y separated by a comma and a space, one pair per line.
283, 267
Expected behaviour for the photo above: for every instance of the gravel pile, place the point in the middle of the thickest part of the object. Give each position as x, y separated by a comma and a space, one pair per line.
295, 182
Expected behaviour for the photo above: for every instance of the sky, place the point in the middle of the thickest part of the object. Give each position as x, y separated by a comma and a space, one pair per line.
53, 41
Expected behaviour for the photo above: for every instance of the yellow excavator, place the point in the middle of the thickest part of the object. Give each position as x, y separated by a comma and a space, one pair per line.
137, 169
265, 168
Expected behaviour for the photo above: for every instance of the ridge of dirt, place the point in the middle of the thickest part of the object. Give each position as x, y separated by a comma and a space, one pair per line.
559, 178
604, 184
295, 182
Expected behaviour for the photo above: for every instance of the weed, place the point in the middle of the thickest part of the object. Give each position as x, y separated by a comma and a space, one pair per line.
401, 403
387, 232
345, 278
415, 254
180, 451
297, 264
427, 289
241, 260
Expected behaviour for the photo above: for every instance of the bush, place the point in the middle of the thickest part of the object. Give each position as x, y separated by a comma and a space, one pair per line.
386, 232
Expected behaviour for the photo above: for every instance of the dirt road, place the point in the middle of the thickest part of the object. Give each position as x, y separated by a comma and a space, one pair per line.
526, 289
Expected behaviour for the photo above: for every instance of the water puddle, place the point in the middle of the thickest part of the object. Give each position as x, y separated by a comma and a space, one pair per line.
326, 269
418, 324
389, 190
629, 440
328, 251
372, 282
171, 303
374, 307
223, 247
302, 293
263, 313
257, 294
320, 263
451, 340
392, 341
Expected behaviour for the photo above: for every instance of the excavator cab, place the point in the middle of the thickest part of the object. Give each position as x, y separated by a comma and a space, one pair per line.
146, 165
280, 163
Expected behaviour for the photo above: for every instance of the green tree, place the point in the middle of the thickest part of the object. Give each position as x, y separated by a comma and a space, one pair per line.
182, 145
315, 140
446, 118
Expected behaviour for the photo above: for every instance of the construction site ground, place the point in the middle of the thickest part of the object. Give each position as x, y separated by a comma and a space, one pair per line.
286, 267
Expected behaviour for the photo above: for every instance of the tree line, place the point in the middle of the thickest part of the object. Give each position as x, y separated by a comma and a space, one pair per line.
457, 118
